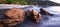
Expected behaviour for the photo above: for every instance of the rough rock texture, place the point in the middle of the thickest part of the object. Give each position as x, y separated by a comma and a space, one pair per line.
34, 15
13, 17
42, 11
1, 25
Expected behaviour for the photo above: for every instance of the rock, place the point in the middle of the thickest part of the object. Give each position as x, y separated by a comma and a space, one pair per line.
29, 13
15, 13
34, 15
1, 25
13, 17
42, 11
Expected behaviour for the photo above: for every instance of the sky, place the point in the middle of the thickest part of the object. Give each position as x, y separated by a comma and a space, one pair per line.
57, 1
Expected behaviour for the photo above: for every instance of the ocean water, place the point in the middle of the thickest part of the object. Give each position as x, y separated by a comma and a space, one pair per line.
51, 21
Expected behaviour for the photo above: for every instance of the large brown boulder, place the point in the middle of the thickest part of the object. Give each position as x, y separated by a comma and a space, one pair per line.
15, 13
13, 17
34, 15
